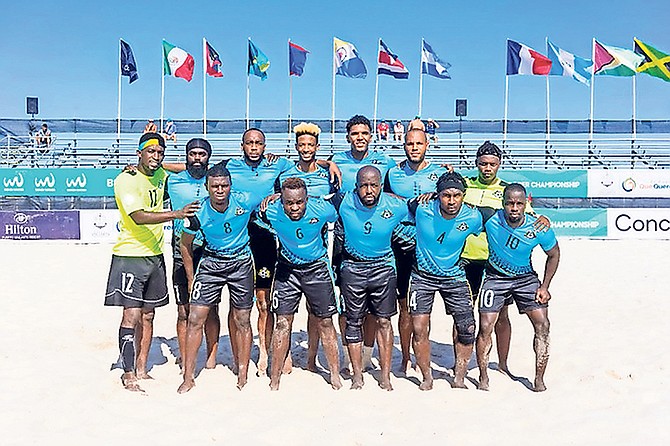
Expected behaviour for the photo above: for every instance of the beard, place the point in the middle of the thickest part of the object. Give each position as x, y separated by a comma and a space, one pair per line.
197, 171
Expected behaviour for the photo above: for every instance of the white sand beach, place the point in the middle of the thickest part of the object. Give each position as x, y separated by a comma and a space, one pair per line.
608, 377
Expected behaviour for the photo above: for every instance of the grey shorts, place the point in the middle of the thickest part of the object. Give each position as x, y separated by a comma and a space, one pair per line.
368, 289
214, 273
497, 291
179, 280
137, 282
315, 280
455, 294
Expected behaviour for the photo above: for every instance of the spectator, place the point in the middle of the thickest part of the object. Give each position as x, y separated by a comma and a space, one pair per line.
398, 131
431, 128
150, 127
43, 138
170, 131
416, 123
383, 130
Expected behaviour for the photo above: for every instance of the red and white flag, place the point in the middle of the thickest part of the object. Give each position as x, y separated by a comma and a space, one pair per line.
389, 64
213, 61
522, 59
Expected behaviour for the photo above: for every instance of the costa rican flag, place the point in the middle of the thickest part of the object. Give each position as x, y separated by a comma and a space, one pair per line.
389, 64
522, 59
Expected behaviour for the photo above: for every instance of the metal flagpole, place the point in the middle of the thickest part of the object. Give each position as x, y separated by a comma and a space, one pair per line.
634, 106
593, 81
248, 52
421, 78
290, 92
204, 87
505, 118
548, 112
374, 116
162, 88
118, 114
332, 126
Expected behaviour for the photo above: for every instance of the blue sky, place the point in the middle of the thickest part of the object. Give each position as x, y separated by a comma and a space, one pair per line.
66, 53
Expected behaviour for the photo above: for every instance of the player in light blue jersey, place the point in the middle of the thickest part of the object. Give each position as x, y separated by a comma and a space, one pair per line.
511, 236
299, 222
412, 177
222, 221
183, 188
368, 277
442, 226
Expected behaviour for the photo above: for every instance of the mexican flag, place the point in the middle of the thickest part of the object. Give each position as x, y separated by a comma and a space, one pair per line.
177, 62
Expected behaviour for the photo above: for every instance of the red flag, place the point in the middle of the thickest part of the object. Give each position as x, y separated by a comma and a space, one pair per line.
213, 62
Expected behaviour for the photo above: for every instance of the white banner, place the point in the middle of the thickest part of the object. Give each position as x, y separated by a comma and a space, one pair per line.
631, 183
102, 226
638, 223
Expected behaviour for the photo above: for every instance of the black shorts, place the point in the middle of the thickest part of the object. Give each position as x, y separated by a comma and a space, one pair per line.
455, 294
214, 273
315, 280
474, 273
498, 291
264, 249
137, 282
368, 288
179, 280
404, 260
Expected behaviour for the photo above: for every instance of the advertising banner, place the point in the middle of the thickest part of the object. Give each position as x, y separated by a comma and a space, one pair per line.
39, 225
630, 183
543, 183
639, 223
577, 222
102, 226
58, 182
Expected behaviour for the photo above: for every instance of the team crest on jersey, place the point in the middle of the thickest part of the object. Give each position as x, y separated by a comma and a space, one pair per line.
239, 211
433, 177
160, 183
323, 174
264, 273
530, 234
386, 213
313, 220
463, 226
498, 194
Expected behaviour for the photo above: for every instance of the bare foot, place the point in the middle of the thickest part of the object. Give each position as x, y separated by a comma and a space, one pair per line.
211, 363
357, 383
288, 365
483, 382
143, 375
187, 385
262, 364
274, 386
502, 368
234, 369
335, 382
539, 386
427, 384
241, 382
385, 383
130, 384
459, 384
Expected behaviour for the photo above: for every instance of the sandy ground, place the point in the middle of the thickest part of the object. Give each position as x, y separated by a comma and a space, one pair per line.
607, 379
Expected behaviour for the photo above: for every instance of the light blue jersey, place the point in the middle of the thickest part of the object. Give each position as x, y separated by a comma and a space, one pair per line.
349, 166
317, 182
301, 242
258, 182
440, 242
402, 180
184, 189
510, 248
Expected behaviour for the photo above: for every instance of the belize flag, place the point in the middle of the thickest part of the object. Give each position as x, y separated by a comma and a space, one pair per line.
567, 64
177, 62
297, 57
389, 64
347, 62
213, 61
522, 59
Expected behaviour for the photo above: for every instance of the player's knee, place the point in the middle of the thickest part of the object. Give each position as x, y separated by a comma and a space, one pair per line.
242, 319
148, 316
262, 304
465, 328
283, 325
384, 323
353, 331
541, 326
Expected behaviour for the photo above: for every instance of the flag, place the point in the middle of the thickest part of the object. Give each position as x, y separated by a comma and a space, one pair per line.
567, 64
614, 61
655, 63
177, 62
522, 59
128, 65
297, 56
347, 62
213, 61
431, 63
258, 63
389, 64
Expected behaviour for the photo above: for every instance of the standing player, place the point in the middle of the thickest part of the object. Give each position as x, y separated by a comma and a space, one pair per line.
222, 221
511, 236
368, 278
442, 226
409, 179
299, 222
137, 279
183, 188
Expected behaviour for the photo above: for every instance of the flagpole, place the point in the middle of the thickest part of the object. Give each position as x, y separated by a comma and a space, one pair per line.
634, 106
162, 87
290, 93
332, 126
247, 112
118, 112
374, 116
204, 87
593, 81
505, 118
548, 112
421, 78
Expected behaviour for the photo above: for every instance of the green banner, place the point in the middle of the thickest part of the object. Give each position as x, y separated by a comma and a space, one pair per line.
58, 182
543, 183
577, 222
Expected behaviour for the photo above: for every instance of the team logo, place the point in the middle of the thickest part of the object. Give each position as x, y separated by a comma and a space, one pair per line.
239, 211
463, 226
47, 182
628, 185
21, 218
498, 194
264, 273
530, 234
433, 177
313, 220
387, 214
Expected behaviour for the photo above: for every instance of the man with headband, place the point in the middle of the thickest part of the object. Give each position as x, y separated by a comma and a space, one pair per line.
182, 188
137, 278
442, 226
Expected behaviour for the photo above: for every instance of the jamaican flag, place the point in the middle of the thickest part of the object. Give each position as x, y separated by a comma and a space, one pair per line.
655, 63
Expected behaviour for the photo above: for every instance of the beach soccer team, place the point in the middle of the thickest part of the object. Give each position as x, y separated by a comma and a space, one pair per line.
259, 224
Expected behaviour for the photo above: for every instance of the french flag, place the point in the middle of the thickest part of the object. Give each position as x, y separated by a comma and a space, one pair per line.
389, 64
522, 59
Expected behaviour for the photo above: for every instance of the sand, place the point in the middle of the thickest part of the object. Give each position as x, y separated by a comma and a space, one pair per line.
607, 377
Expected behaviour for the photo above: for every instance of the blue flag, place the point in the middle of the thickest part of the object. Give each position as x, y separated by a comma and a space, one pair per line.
567, 64
258, 62
128, 65
431, 63
297, 56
